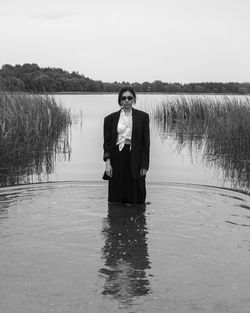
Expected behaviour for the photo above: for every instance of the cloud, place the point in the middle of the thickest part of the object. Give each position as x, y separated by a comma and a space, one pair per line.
51, 15
42, 11
6, 13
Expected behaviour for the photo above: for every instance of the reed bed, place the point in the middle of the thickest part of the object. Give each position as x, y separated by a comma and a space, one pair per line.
218, 127
31, 132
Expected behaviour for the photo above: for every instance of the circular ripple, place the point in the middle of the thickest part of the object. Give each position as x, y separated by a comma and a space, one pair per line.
189, 252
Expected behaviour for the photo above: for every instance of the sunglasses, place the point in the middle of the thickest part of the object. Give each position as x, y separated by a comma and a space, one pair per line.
129, 98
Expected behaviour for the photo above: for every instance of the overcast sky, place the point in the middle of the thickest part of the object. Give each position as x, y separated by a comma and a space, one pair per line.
132, 40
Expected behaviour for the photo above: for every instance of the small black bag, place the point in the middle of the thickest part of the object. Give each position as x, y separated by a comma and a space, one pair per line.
105, 176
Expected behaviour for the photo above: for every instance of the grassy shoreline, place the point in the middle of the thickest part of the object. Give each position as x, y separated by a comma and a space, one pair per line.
139, 92
217, 128
30, 130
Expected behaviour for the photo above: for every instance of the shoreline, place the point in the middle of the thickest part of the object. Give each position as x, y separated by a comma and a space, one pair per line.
116, 92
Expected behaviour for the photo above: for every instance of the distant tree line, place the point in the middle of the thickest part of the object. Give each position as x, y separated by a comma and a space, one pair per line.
32, 78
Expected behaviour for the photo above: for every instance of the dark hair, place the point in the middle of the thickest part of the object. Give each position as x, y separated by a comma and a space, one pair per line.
124, 89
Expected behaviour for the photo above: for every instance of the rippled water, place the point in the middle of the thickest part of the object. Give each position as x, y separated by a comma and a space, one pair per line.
64, 250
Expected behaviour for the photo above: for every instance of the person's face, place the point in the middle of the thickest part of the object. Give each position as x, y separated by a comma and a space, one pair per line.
127, 100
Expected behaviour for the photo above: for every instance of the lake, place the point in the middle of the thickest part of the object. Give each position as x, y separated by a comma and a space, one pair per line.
64, 249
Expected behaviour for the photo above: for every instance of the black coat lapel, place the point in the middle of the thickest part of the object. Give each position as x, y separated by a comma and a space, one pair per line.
134, 121
115, 123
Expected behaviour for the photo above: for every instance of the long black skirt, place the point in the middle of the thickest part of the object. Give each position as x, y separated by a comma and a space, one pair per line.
122, 187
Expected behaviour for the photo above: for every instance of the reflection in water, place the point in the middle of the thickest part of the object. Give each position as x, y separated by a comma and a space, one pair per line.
31, 164
217, 130
33, 130
125, 253
3, 208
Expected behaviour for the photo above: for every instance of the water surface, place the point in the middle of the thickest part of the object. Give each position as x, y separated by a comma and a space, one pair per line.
64, 250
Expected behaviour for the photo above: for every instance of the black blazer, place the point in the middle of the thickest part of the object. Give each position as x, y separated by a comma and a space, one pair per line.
140, 140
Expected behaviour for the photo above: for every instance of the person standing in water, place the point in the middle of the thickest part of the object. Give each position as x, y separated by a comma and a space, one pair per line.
126, 151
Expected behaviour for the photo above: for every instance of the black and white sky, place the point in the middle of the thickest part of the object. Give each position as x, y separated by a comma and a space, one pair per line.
133, 40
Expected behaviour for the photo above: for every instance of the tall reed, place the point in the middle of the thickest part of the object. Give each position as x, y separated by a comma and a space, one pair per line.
219, 127
30, 128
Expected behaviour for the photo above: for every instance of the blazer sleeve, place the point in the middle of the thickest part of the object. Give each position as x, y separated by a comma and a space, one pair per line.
107, 138
145, 143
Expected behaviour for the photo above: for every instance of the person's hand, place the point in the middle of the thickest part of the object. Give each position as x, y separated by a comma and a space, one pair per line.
108, 168
143, 172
